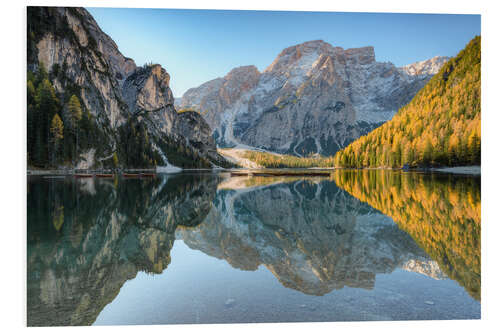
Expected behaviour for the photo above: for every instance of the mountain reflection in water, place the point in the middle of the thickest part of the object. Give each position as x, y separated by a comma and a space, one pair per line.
311, 235
87, 237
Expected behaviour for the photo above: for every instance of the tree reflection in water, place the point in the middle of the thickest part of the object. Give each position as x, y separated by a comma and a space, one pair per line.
442, 213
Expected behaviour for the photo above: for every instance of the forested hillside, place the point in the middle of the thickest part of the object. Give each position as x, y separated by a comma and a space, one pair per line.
60, 129
441, 126
56, 124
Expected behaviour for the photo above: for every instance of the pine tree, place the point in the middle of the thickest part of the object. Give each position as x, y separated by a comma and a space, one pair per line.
46, 105
30, 126
115, 159
56, 131
474, 149
75, 111
57, 128
427, 153
41, 74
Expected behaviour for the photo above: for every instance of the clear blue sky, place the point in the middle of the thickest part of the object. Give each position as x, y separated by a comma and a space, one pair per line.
195, 46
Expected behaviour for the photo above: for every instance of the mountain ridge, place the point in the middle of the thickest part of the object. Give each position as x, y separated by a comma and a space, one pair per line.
313, 98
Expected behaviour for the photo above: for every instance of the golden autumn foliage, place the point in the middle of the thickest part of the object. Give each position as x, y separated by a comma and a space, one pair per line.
270, 160
442, 213
441, 126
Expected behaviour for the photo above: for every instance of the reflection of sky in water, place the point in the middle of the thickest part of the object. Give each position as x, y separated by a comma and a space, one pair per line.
199, 288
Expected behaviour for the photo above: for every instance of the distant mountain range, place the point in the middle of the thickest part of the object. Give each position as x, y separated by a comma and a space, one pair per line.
314, 98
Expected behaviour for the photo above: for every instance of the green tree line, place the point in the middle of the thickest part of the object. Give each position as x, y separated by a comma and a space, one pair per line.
58, 126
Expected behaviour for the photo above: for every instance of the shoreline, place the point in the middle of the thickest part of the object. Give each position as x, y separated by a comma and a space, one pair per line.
459, 170
39, 172
462, 170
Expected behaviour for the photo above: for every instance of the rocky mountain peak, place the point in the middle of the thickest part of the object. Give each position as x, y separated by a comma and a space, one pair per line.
229, 87
241, 79
361, 55
313, 98
311, 53
160, 74
238, 81
425, 67
148, 88
299, 55
242, 71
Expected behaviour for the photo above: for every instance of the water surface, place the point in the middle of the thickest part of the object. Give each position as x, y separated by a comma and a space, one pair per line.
207, 248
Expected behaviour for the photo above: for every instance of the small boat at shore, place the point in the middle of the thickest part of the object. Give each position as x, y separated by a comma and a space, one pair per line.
131, 175
239, 174
105, 175
83, 175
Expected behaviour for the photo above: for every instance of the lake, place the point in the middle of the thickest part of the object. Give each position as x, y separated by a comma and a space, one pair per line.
209, 248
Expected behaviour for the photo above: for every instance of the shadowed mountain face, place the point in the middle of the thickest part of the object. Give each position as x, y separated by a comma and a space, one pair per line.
86, 238
313, 236
442, 213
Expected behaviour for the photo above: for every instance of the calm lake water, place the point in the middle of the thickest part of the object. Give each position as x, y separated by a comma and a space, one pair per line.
208, 248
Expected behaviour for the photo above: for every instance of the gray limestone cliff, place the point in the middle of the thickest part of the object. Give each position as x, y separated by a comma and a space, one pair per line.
314, 98
122, 98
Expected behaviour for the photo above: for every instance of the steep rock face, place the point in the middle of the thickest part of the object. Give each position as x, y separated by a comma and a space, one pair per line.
314, 98
199, 135
84, 61
151, 102
221, 94
148, 89
88, 59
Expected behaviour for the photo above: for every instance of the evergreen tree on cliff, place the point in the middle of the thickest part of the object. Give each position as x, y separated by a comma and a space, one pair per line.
75, 111
56, 131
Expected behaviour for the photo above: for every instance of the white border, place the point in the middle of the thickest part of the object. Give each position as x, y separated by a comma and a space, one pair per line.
13, 164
